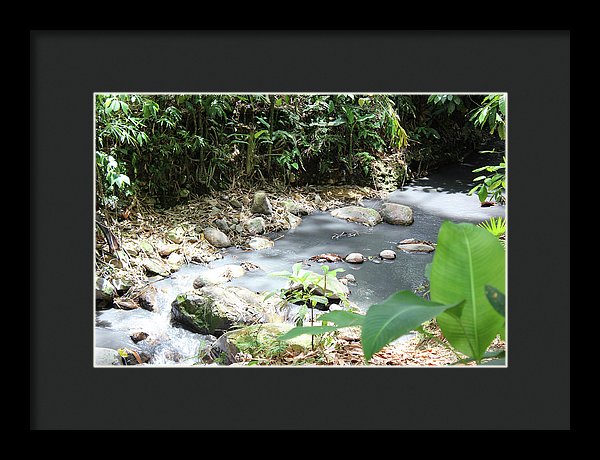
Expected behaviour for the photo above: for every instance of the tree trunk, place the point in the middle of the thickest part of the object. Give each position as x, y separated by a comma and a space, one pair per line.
250, 154
271, 121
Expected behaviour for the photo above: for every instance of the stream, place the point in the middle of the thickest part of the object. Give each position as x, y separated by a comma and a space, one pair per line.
440, 196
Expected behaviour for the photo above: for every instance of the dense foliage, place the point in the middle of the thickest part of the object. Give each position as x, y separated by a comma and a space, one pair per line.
172, 147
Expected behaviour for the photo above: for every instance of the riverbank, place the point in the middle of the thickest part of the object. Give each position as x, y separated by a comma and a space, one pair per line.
157, 242
153, 244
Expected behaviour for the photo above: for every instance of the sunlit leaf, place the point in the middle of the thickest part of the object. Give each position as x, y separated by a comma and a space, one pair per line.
396, 316
342, 318
310, 330
467, 258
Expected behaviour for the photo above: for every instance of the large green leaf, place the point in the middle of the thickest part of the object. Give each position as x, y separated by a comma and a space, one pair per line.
340, 319
310, 330
399, 314
467, 258
343, 318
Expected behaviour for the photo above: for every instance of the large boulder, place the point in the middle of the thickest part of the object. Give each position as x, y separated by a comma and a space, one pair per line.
359, 214
216, 309
396, 214
261, 204
216, 237
218, 275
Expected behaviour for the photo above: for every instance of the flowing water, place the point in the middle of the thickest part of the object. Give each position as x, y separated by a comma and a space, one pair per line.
440, 196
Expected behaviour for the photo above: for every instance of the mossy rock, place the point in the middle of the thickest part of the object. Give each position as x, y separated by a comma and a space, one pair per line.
259, 341
146, 247
216, 309
263, 333
175, 235
359, 214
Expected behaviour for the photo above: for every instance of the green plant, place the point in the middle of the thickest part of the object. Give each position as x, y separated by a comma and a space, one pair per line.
492, 113
492, 185
496, 226
308, 289
260, 343
446, 102
467, 259
111, 178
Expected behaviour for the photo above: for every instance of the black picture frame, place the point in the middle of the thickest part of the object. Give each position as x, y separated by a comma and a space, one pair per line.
67, 67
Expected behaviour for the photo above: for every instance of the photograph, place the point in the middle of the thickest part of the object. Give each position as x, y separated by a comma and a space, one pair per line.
295, 230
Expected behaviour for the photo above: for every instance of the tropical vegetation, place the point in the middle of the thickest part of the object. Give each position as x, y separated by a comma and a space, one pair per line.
174, 147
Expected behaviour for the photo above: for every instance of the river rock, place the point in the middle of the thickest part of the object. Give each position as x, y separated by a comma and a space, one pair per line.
156, 267
104, 304
106, 357
117, 263
359, 214
222, 224
148, 298
415, 247
175, 260
221, 351
175, 235
261, 204
131, 248
396, 214
293, 220
387, 254
146, 247
218, 275
350, 278
216, 237
255, 226
216, 309
355, 258
139, 336
132, 360
167, 249
126, 304
295, 208
122, 285
104, 289
259, 242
